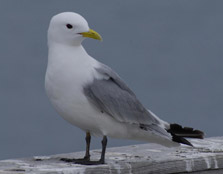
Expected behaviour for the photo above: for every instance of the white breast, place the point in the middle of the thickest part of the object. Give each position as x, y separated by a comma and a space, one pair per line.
65, 77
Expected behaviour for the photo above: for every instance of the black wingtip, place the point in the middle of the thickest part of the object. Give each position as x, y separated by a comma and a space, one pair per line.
181, 140
186, 132
179, 133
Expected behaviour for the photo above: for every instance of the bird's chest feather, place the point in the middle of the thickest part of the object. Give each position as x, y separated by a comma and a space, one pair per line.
64, 85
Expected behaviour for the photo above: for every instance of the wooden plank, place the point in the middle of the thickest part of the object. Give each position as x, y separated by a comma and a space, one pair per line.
206, 157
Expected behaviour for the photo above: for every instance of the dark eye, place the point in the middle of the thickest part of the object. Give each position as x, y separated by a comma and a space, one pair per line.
69, 26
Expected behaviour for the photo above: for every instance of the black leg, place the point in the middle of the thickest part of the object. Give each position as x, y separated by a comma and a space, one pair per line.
87, 153
88, 162
104, 144
88, 141
102, 159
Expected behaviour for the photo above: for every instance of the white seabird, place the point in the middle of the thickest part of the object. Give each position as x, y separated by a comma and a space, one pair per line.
91, 96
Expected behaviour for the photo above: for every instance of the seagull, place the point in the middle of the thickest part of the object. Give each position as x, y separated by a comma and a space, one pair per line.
90, 95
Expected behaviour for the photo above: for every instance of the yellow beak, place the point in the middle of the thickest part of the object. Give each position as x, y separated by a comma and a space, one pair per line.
91, 34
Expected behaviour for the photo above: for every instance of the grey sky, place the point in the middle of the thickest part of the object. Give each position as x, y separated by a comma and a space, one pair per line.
168, 52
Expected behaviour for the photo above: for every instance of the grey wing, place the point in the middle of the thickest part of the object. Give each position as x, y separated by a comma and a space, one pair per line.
112, 95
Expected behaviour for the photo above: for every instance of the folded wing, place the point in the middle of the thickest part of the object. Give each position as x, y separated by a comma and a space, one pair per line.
112, 96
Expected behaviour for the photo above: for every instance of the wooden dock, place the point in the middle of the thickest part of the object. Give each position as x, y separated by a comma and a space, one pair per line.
206, 157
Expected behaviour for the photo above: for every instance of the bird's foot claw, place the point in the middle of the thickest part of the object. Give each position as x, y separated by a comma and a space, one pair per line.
83, 161
68, 160
90, 162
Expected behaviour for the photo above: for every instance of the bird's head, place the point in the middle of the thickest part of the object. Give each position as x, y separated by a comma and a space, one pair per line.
70, 28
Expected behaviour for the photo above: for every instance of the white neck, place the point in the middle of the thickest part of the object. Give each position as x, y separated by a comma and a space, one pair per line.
68, 68
58, 53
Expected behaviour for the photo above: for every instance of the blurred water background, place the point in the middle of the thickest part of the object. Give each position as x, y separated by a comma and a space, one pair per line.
169, 52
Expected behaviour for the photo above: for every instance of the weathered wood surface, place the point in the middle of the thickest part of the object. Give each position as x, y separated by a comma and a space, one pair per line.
206, 157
